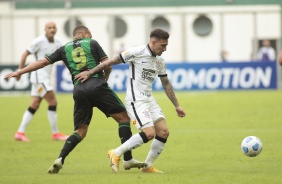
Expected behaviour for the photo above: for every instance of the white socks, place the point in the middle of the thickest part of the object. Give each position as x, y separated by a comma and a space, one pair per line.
155, 150
134, 142
27, 117
53, 118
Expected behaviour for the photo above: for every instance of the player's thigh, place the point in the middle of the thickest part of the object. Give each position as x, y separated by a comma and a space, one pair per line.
40, 89
107, 101
156, 111
35, 102
139, 112
83, 109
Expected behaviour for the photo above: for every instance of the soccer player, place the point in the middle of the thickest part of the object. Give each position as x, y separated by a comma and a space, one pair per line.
41, 87
84, 53
145, 64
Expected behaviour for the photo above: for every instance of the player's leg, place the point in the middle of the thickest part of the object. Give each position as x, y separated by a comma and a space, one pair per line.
160, 139
49, 95
157, 146
28, 114
142, 122
110, 104
82, 118
124, 130
125, 134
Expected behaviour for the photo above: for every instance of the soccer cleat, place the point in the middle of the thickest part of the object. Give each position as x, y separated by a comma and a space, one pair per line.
151, 170
59, 136
114, 160
133, 163
20, 136
55, 168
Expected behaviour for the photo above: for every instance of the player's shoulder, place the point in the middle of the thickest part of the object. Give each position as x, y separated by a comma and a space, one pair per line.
92, 41
137, 50
57, 40
39, 39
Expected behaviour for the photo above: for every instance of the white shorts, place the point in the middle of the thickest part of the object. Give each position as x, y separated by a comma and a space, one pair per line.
40, 89
144, 113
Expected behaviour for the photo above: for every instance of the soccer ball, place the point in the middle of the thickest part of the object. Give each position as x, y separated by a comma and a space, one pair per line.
251, 146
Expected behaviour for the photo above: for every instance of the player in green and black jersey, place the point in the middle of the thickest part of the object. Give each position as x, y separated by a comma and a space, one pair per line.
84, 53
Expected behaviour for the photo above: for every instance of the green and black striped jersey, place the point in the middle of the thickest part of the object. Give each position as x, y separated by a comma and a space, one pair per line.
80, 55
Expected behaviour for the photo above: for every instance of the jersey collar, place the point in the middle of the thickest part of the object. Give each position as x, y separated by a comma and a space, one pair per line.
151, 52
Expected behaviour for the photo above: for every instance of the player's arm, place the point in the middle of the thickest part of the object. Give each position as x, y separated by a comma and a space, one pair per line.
108, 70
171, 95
22, 62
83, 76
29, 68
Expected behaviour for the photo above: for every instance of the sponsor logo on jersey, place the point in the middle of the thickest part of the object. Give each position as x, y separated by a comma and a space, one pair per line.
148, 74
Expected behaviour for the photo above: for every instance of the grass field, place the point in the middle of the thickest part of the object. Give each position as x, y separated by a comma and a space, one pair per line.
203, 147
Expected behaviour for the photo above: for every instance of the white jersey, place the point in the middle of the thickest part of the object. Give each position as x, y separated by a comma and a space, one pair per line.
266, 54
41, 47
144, 67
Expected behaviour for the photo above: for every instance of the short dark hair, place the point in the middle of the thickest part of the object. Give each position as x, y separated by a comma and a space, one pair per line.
79, 28
159, 34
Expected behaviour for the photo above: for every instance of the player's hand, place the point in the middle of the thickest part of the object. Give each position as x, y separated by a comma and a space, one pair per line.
83, 76
13, 74
180, 112
18, 78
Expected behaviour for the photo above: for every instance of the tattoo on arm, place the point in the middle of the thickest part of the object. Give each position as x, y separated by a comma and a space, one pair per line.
169, 91
104, 65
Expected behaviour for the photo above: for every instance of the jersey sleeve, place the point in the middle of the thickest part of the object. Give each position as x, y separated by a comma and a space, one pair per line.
34, 46
162, 71
129, 54
96, 49
56, 56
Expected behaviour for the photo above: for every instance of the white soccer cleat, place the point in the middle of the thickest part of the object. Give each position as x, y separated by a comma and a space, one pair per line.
133, 163
55, 168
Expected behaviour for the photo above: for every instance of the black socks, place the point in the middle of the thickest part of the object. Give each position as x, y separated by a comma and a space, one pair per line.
70, 144
125, 133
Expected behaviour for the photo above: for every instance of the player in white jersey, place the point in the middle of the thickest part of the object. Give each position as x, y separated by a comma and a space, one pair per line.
145, 64
41, 86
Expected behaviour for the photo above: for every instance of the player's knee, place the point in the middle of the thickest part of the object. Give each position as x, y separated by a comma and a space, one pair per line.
150, 132
126, 118
166, 133
163, 133
53, 102
35, 106
82, 131
121, 117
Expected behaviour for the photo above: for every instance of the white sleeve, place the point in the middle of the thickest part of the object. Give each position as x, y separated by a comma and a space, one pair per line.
163, 68
34, 46
129, 54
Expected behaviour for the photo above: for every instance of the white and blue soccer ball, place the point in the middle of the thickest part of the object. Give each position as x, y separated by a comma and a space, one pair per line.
251, 146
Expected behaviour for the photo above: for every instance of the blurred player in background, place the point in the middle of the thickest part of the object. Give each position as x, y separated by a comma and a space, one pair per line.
145, 64
41, 87
84, 53
266, 52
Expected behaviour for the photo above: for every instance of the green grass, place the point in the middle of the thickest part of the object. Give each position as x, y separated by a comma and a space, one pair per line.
203, 147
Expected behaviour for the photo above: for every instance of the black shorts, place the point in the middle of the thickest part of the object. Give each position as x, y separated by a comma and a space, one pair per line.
94, 93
